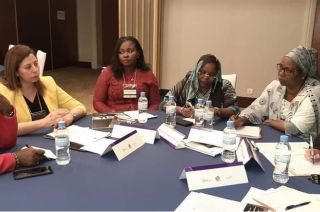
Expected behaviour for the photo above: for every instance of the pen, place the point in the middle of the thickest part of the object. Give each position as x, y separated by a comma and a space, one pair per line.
254, 145
311, 146
237, 116
295, 206
28, 146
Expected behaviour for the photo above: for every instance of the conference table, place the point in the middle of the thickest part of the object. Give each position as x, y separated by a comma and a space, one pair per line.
147, 179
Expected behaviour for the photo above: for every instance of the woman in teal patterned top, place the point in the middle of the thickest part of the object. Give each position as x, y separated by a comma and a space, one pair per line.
204, 82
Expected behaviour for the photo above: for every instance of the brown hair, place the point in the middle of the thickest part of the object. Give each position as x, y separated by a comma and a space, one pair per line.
12, 62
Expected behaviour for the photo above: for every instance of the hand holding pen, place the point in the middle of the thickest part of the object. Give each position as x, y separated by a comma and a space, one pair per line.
311, 146
239, 120
188, 110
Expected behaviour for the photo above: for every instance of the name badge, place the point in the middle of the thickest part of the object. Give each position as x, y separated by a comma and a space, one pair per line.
130, 91
127, 144
211, 176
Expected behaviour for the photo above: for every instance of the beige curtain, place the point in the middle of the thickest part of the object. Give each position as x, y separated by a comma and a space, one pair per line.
142, 19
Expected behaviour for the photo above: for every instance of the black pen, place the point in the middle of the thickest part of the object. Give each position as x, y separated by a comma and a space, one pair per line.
296, 206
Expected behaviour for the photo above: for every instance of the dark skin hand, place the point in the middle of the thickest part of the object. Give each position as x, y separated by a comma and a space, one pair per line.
5, 106
30, 156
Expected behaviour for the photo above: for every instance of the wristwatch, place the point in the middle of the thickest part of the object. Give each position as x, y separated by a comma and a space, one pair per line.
218, 111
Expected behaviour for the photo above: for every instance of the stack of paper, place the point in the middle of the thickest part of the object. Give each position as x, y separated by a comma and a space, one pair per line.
298, 166
134, 114
206, 149
283, 197
204, 202
82, 135
249, 132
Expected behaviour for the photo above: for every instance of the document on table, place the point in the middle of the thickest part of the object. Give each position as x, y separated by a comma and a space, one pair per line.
100, 147
292, 197
206, 149
134, 114
204, 202
299, 166
82, 135
249, 132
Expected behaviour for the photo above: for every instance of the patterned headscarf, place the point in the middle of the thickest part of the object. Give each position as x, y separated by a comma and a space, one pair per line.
307, 59
193, 82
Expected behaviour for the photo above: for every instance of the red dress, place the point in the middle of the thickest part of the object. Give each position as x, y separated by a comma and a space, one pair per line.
108, 93
8, 139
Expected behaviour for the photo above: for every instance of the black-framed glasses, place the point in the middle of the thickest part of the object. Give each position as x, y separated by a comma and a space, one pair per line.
286, 70
203, 74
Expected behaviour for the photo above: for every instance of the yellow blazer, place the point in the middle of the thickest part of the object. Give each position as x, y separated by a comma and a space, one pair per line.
54, 97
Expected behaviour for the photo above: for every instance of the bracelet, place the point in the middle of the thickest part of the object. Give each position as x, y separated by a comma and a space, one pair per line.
218, 111
17, 159
181, 110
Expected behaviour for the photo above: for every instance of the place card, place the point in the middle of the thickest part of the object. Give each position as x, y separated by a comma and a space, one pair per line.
171, 136
211, 176
127, 144
148, 134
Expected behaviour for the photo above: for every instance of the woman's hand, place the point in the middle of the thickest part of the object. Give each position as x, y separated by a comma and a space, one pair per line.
53, 117
239, 120
308, 155
188, 112
30, 156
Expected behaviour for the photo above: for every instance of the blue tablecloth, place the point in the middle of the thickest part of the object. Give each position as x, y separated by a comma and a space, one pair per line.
148, 179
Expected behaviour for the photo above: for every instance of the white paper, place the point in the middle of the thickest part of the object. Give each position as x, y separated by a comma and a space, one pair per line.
206, 136
100, 147
148, 135
292, 197
134, 114
206, 149
204, 202
83, 135
253, 192
47, 152
248, 131
190, 119
298, 166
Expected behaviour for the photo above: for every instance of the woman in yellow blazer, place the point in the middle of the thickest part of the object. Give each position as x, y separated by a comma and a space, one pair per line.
39, 101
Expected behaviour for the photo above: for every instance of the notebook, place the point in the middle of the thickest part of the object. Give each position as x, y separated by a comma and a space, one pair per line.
249, 132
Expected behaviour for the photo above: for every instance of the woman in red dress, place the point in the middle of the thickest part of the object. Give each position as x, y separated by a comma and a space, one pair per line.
119, 85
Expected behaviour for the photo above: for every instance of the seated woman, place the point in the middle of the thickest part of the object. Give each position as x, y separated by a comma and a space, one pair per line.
119, 85
291, 104
204, 82
39, 101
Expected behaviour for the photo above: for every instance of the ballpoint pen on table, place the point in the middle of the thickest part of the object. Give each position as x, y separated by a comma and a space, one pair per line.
296, 206
311, 146
255, 146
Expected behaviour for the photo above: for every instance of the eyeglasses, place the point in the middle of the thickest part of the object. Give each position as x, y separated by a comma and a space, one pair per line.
286, 70
202, 74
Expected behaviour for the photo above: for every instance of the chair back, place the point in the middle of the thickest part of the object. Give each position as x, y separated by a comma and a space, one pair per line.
232, 78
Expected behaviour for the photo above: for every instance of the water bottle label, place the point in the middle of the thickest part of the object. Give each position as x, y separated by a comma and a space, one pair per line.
279, 168
198, 113
229, 140
170, 109
208, 116
282, 156
62, 142
143, 106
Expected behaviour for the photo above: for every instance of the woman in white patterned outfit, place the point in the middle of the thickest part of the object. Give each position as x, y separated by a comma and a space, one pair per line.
290, 104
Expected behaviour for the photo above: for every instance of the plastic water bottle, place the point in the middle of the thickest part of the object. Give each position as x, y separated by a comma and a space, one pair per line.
62, 144
208, 115
143, 108
198, 113
282, 160
229, 143
171, 112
